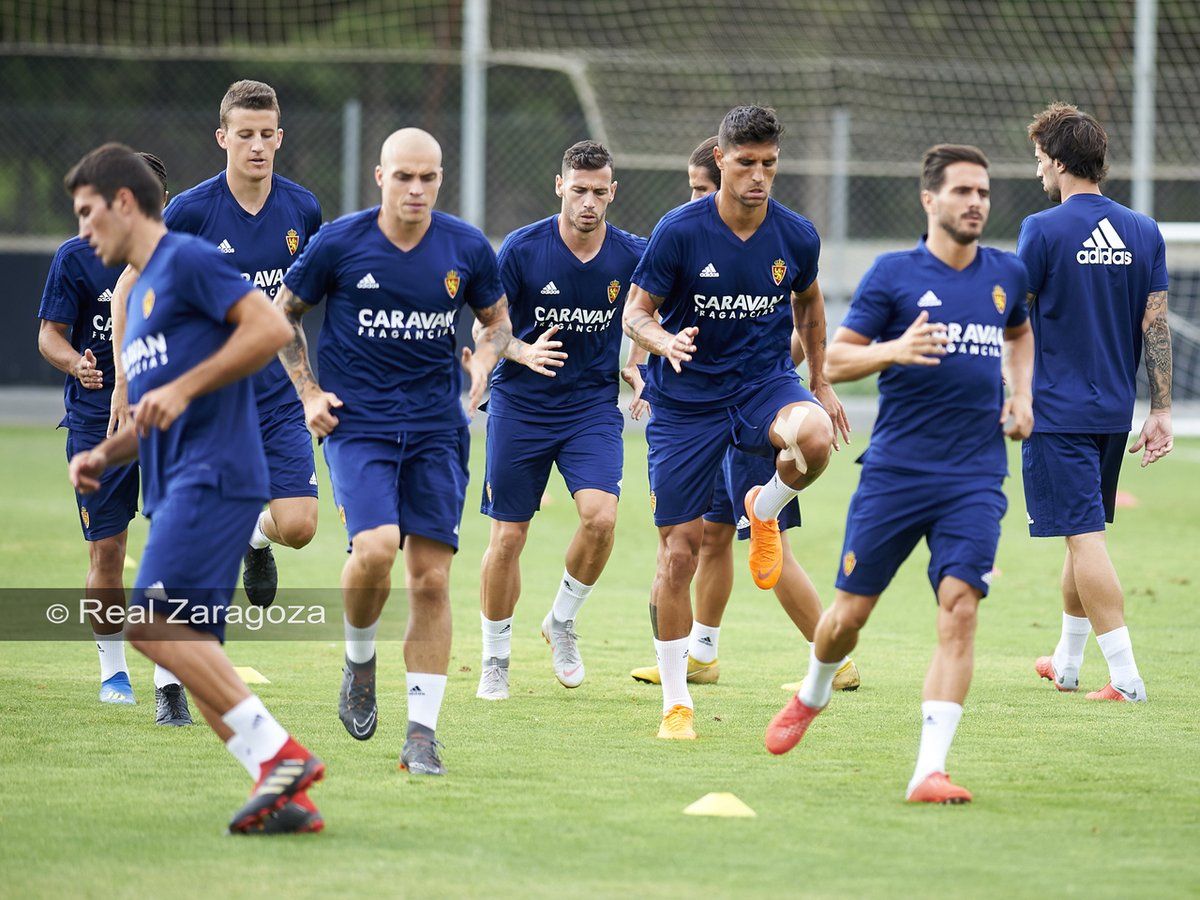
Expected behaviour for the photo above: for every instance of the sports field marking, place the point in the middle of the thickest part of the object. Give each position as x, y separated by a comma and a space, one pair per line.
721, 804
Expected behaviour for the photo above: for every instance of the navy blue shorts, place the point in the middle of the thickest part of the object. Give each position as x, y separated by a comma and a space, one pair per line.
109, 510
891, 511
288, 446
190, 564
686, 447
588, 452
415, 479
740, 472
1071, 481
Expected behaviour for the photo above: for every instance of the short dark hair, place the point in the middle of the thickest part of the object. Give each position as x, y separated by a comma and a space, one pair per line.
247, 94
702, 158
749, 125
1072, 138
588, 156
157, 166
940, 156
111, 167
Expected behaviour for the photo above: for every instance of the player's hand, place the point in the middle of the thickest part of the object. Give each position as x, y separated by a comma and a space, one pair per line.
318, 412
543, 353
1157, 438
1017, 417
678, 348
86, 373
632, 376
159, 408
479, 378
922, 344
829, 401
118, 409
85, 470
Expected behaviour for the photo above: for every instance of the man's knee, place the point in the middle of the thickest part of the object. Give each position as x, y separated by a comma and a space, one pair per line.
806, 432
1082, 543
599, 521
851, 612
429, 584
507, 540
958, 604
296, 522
679, 554
107, 556
376, 550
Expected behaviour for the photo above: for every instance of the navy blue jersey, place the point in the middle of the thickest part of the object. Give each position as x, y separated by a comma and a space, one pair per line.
176, 320
1092, 262
79, 291
738, 294
387, 345
942, 419
547, 285
262, 247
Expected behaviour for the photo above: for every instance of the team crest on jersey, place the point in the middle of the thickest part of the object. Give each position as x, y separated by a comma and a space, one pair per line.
147, 303
778, 270
614, 290
452, 281
293, 241
653, 502
999, 298
849, 561
87, 519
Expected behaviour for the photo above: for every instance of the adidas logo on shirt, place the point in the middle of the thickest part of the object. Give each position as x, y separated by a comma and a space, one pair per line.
106, 297
710, 271
928, 299
226, 247
367, 283
1104, 247
743, 522
551, 288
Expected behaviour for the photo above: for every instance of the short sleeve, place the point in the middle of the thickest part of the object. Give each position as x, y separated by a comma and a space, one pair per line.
311, 276
60, 298
659, 267
313, 220
1158, 276
806, 273
510, 270
213, 284
872, 307
179, 216
1018, 309
1031, 248
483, 287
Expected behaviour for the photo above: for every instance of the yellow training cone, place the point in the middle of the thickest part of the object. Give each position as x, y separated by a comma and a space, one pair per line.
130, 562
251, 676
720, 804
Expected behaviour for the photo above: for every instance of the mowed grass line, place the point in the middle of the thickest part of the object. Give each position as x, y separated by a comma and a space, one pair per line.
561, 791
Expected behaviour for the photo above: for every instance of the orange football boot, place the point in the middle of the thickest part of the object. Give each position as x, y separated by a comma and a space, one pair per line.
1044, 666
938, 788
766, 549
789, 726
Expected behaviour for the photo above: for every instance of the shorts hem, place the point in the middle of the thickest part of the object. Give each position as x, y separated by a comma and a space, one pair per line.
450, 541
291, 495
664, 522
101, 534
506, 517
606, 488
1071, 531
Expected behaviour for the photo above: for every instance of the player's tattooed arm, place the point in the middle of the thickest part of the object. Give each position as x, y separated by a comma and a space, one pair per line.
808, 324
640, 322
1157, 436
318, 404
542, 356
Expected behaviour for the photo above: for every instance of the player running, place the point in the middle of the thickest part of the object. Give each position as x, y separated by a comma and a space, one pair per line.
1097, 295
934, 321
720, 270
396, 440
740, 472
563, 276
194, 331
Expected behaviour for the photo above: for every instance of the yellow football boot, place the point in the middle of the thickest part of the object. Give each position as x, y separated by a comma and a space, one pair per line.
698, 673
677, 725
844, 679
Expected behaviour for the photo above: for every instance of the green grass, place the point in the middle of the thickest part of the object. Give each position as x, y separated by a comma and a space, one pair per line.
558, 792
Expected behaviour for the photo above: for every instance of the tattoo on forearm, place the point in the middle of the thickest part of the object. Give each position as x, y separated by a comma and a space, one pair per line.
497, 329
294, 355
638, 324
1156, 337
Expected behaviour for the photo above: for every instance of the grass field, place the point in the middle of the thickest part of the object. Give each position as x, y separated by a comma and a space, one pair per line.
568, 793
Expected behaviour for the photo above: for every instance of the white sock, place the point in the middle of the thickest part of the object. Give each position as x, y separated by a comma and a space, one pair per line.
425, 693
1069, 652
164, 676
360, 642
259, 539
262, 737
702, 642
111, 648
241, 752
672, 659
818, 683
1118, 653
571, 594
939, 721
497, 637
773, 497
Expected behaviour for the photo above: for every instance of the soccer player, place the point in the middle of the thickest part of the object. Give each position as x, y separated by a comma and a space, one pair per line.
395, 278
739, 473
1098, 295
79, 298
720, 270
934, 321
565, 276
194, 331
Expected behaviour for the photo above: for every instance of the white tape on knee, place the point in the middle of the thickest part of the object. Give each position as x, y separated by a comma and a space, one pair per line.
789, 430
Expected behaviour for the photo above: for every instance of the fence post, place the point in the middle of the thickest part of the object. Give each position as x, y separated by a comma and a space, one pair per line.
351, 154
1144, 50
839, 198
474, 110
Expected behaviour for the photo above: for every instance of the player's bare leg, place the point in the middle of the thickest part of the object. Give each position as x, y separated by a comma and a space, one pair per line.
1062, 667
671, 619
714, 586
499, 589
105, 583
290, 521
426, 649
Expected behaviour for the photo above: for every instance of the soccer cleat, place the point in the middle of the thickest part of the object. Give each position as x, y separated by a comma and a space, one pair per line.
117, 689
938, 788
789, 726
260, 578
356, 705
697, 673
846, 678
564, 646
420, 754
301, 816
766, 549
289, 772
171, 706
1132, 693
678, 724
493, 680
1068, 682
